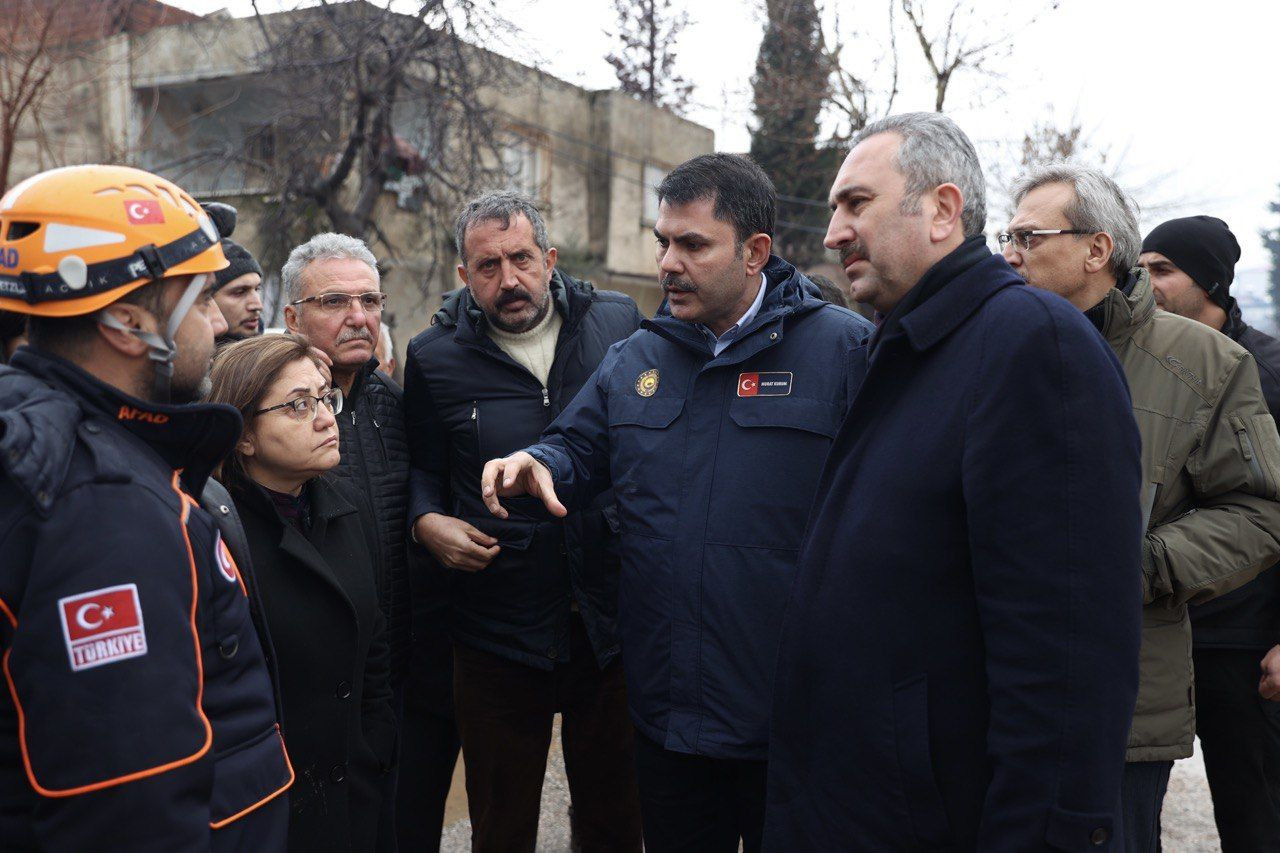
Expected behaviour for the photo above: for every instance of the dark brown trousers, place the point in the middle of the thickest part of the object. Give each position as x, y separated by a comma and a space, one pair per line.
505, 712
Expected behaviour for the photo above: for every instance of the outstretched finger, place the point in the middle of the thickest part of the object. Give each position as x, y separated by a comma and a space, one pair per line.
488, 487
547, 491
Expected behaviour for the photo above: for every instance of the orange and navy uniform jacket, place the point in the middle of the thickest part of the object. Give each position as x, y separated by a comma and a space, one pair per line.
137, 711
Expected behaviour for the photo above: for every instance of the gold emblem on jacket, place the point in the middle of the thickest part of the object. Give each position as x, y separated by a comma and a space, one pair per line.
647, 383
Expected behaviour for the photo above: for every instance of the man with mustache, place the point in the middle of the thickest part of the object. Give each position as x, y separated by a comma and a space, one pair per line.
958, 664
333, 295
710, 424
533, 600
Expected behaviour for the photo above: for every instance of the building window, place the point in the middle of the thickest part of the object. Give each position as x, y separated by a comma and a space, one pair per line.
653, 175
526, 164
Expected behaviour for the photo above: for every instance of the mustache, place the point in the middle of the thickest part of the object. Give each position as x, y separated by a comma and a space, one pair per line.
515, 295
852, 250
672, 283
350, 334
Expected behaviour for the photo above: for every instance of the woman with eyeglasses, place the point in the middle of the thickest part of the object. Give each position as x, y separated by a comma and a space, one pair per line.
312, 545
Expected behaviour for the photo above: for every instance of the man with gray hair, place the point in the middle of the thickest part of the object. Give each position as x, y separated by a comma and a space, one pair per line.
958, 662
334, 297
1211, 455
533, 599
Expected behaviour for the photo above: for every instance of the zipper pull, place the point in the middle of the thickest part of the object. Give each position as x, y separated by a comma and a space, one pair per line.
475, 413
353, 417
376, 425
546, 398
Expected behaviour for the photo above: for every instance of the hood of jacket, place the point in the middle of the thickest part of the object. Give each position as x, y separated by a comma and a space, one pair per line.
47, 402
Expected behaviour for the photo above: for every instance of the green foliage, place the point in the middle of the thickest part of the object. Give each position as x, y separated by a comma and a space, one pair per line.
791, 87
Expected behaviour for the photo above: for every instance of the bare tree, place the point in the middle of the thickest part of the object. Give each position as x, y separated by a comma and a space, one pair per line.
28, 59
366, 97
965, 39
645, 61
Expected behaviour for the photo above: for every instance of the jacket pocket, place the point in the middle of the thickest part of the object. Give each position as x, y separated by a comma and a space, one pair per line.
1256, 436
649, 412
249, 776
815, 416
915, 762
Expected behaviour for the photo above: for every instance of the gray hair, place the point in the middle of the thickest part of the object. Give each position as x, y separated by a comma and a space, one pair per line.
323, 247
935, 151
498, 206
386, 340
1099, 205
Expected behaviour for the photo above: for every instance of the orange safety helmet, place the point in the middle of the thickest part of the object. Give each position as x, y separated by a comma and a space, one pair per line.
76, 239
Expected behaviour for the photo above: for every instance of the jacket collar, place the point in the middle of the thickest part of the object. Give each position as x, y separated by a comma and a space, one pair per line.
326, 506
788, 293
192, 438
1235, 326
362, 379
962, 295
1124, 313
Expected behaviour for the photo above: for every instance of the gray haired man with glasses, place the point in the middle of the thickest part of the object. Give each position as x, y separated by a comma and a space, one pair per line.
1210, 453
334, 297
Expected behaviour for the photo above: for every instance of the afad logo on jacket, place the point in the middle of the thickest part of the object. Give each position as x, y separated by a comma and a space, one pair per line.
103, 626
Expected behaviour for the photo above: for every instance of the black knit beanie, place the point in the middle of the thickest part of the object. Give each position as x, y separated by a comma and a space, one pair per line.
1204, 248
224, 219
241, 263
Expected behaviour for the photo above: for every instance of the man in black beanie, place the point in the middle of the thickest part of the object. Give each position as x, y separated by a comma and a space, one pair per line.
238, 288
238, 292
1192, 264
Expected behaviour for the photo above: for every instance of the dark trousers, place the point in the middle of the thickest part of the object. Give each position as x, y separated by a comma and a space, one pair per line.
505, 712
1142, 790
1240, 734
698, 804
429, 747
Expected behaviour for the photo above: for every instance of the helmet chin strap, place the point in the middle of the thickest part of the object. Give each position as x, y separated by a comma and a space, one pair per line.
161, 350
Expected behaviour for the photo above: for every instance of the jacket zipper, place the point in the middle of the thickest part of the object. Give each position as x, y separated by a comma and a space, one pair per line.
475, 420
1246, 448
546, 398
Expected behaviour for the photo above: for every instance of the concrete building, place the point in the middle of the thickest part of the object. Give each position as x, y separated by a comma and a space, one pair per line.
163, 95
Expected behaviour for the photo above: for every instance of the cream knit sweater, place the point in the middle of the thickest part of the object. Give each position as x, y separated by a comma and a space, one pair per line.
535, 349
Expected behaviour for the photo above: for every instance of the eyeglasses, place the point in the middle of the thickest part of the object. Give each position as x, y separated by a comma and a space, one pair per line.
305, 408
339, 303
1022, 239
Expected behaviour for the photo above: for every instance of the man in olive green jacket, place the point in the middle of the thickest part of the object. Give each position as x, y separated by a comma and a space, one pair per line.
1211, 455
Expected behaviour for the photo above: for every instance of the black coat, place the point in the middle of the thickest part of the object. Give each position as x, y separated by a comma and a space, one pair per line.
959, 657
467, 402
375, 459
128, 644
320, 599
1249, 617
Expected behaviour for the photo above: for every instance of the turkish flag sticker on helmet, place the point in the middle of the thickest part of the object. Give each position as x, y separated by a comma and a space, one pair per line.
102, 626
143, 212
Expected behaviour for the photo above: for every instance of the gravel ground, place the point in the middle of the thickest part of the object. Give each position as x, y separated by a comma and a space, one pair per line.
553, 825
1187, 823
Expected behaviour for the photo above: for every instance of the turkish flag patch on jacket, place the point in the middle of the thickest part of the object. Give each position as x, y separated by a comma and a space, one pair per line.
102, 626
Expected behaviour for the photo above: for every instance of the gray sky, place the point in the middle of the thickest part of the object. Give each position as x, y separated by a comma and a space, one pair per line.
1173, 92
